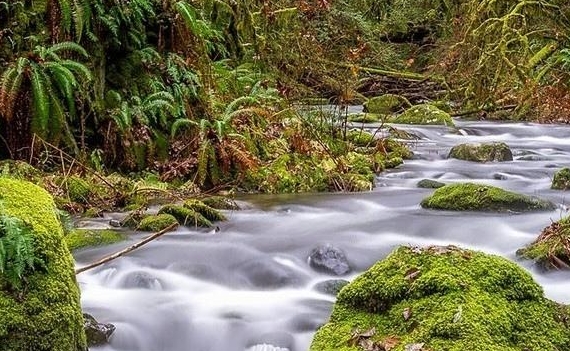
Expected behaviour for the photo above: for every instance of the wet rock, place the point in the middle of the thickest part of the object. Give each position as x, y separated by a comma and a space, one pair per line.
453, 299
115, 223
479, 197
329, 259
306, 322
269, 274
364, 118
156, 223
141, 280
561, 180
430, 184
97, 333
330, 287
486, 152
279, 340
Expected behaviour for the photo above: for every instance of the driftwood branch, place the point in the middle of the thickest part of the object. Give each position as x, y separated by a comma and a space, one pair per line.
484, 109
126, 250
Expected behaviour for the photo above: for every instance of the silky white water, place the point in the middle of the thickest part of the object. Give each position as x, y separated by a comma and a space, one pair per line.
250, 284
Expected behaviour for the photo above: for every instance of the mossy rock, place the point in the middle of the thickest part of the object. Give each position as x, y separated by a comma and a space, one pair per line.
46, 315
444, 298
186, 216
20, 170
486, 152
479, 197
157, 222
549, 249
360, 138
80, 238
561, 179
220, 203
424, 114
78, 189
386, 104
364, 118
430, 184
208, 212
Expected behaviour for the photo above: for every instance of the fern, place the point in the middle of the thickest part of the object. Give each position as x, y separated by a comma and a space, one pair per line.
17, 252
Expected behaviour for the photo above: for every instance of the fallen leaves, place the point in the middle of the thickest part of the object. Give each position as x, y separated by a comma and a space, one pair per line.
366, 342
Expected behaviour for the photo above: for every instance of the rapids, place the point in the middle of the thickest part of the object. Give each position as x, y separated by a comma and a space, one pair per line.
250, 284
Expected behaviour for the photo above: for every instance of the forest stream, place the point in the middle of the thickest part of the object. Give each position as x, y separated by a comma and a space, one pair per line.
250, 283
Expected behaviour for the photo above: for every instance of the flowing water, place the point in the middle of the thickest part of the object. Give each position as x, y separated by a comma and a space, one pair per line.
250, 284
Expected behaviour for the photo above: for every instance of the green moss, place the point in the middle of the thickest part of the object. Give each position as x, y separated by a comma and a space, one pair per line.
447, 298
561, 179
20, 170
186, 216
78, 189
47, 316
364, 118
430, 184
157, 223
208, 212
386, 104
550, 250
360, 138
220, 203
79, 238
424, 114
479, 197
487, 152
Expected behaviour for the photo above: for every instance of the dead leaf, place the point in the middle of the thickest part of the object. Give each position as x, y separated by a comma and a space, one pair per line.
407, 313
412, 273
390, 342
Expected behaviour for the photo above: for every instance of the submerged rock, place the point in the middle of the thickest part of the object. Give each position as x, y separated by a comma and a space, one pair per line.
551, 249
97, 333
329, 259
45, 314
561, 179
487, 152
430, 184
444, 298
424, 114
479, 197
331, 287
364, 118
386, 104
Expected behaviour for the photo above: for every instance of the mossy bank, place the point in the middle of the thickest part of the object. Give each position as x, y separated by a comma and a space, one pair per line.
45, 315
444, 298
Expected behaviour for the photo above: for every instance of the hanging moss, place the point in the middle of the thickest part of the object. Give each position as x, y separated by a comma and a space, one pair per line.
444, 298
46, 316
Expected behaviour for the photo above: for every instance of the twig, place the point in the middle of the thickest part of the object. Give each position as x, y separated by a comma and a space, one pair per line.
127, 250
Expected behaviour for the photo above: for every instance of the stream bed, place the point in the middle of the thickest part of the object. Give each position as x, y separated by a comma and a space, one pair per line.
250, 283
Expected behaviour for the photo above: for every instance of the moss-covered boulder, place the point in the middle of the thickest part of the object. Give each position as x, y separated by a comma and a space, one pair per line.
424, 114
80, 238
386, 104
486, 152
157, 222
45, 315
444, 298
480, 197
551, 250
561, 180
186, 216
360, 138
364, 118
430, 184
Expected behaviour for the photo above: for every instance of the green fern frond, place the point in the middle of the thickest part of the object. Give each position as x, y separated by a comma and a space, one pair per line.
239, 102
41, 98
181, 123
66, 15
68, 46
78, 68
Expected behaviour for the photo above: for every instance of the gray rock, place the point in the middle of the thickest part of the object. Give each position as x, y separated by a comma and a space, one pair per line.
430, 184
115, 223
329, 259
486, 152
97, 333
266, 273
141, 280
331, 287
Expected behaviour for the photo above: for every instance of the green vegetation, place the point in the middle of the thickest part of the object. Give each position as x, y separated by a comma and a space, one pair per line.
479, 197
157, 223
44, 314
386, 104
551, 250
561, 180
444, 298
424, 114
487, 152
80, 238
